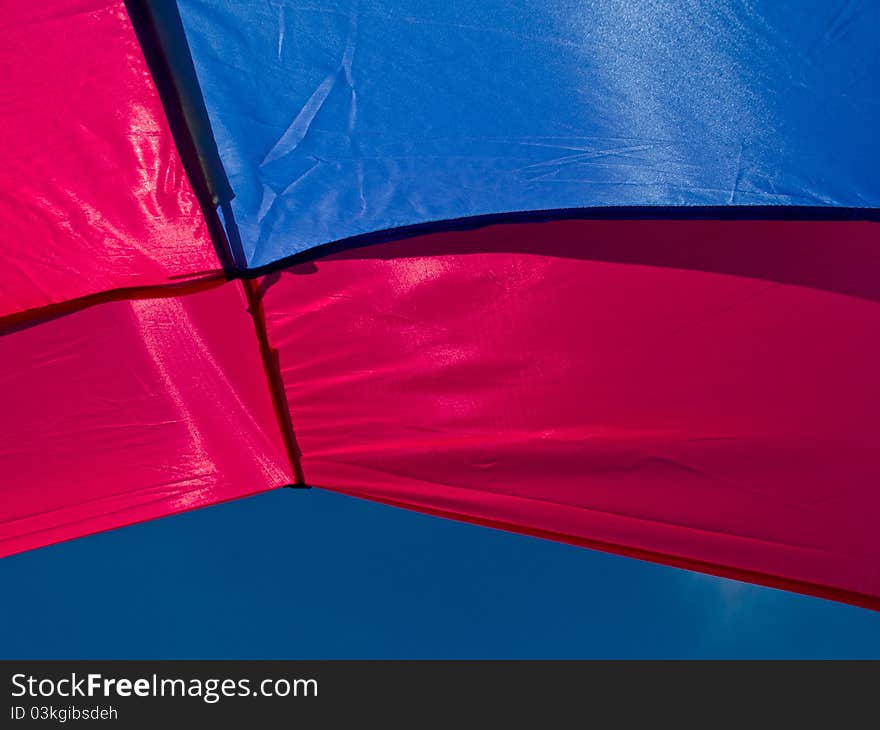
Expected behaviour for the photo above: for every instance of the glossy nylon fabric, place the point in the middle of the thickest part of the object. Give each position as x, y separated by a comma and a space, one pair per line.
93, 195
699, 393
128, 409
131, 410
338, 119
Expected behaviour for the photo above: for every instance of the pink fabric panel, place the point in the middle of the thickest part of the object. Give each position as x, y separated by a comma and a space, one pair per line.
670, 411
93, 195
132, 410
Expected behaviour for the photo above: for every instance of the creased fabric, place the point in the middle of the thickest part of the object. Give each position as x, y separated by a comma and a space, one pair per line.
656, 401
131, 410
93, 195
345, 118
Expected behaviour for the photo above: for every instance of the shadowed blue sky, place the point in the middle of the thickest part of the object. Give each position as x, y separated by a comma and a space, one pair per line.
296, 574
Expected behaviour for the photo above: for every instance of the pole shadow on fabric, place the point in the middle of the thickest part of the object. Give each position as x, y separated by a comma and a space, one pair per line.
838, 253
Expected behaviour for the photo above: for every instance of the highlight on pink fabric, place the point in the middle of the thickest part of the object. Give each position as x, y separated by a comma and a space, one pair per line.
93, 195
131, 410
610, 384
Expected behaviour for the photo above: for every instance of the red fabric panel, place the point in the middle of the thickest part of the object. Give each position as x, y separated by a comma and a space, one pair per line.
93, 195
132, 410
672, 411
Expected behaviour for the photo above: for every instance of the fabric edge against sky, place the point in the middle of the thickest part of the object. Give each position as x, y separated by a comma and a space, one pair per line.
131, 410
700, 390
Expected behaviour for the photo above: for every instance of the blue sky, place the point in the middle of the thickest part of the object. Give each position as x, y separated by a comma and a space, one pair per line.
310, 574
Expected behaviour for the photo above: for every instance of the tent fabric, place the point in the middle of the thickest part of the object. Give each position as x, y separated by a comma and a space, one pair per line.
682, 413
131, 410
698, 388
335, 120
93, 195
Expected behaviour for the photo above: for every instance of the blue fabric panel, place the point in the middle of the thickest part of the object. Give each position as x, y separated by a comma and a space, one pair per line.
336, 119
